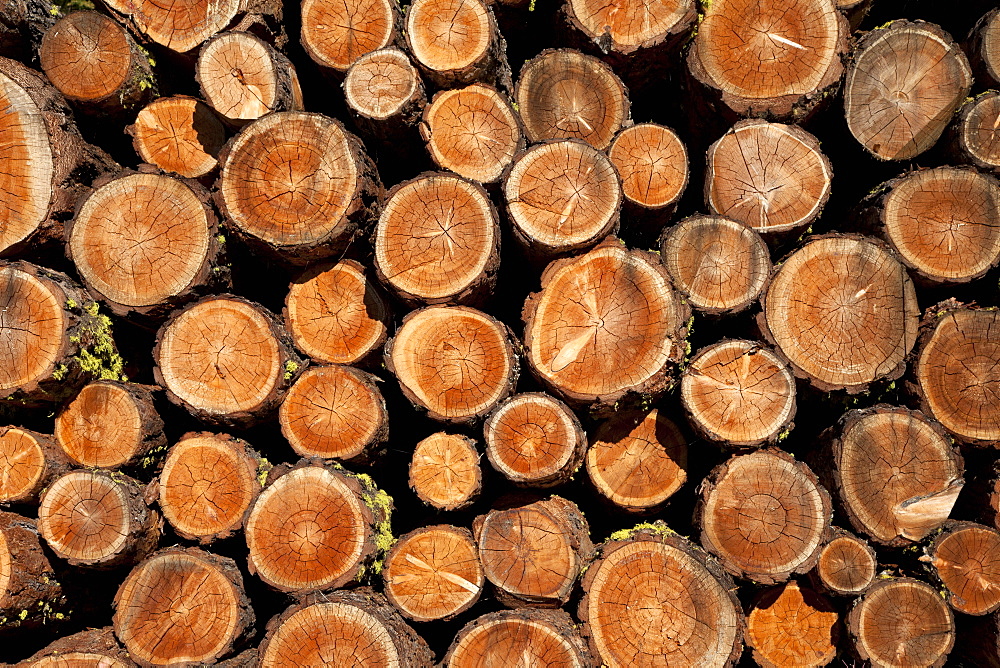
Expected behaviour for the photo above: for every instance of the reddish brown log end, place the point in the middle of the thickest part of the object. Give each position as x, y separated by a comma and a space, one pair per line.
530, 637
966, 558
628, 26
846, 565
788, 626
653, 164
445, 472
979, 129
335, 35
179, 134
452, 40
28, 462
180, 27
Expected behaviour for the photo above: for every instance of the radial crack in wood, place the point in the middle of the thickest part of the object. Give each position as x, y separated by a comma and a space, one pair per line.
29, 462
847, 565
179, 134
789, 626
966, 559
445, 471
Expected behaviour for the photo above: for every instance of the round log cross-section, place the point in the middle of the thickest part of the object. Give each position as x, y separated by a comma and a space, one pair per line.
456, 42
445, 471
179, 134
628, 27
966, 558
979, 129
653, 164
29, 461
384, 85
336, 35
847, 565
180, 26
789, 626
530, 636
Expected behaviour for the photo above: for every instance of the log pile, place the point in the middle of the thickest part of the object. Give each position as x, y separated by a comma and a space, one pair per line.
499, 333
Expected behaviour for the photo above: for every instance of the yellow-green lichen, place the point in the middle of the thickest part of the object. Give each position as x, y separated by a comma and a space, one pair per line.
658, 527
60, 371
290, 369
100, 358
70, 303
263, 469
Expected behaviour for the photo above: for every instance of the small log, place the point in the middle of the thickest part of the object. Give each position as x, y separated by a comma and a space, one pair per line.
768, 176
778, 59
652, 162
29, 461
342, 628
180, 28
207, 485
984, 48
145, 243
606, 326
764, 515
298, 185
243, 77
454, 362
789, 626
632, 30
28, 587
847, 565
472, 131
563, 94
386, 93
225, 359
334, 412
110, 424
98, 518
534, 440
179, 134
531, 637
562, 197
445, 472
433, 573
902, 622
739, 393
905, 81
93, 648
534, 554
966, 559
957, 360
719, 264
182, 606
96, 64
438, 241
654, 593
335, 314
336, 35
977, 131
315, 528
842, 310
637, 460
896, 473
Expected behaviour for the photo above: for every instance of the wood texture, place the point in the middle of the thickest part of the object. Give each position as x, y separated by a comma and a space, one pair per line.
789, 626
335, 35
978, 131
445, 471
28, 588
964, 558
179, 134
533, 637
847, 564
29, 461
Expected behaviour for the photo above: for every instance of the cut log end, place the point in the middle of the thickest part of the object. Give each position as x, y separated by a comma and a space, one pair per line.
32, 329
336, 35
382, 84
445, 472
847, 565
28, 462
180, 28
93, 648
87, 56
179, 134
979, 130
653, 164
529, 637
449, 35
966, 558
789, 626
627, 27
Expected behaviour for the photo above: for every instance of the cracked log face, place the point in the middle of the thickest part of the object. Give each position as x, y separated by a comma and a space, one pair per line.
28, 462
382, 84
957, 371
334, 412
902, 622
945, 223
335, 315
562, 196
904, 84
207, 484
979, 129
179, 134
896, 473
444, 471
87, 56
450, 36
788, 626
739, 393
721, 265
336, 34
843, 311
605, 324
455, 362
631, 24
472, 131
764, 515
180, 26
966, 558
846, 565
528, 637
637, 460
182, 606
766, 57
652, 162
564, 94
437, 240
433, 573
769, 176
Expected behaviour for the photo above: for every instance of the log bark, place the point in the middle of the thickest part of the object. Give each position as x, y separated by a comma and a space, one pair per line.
297, 185
905, 81
764, 515
789, 626
562, 197
343, 628
243, 78
445, 471
112, 425
654, 593
182, 606
93, 647
22, 25
984, 48
335, 412
534, 554
336, 35
96, 64
637, 460
534, 440
854, 10
433, 573
768, 176
875, 326
454, 362
207, 485
225, 359
386, 94
472, 131
533, 637
977, 131
902, 622
438, 241
28, 587
720, 265
98, 519
29, 461
966, 559
315, 528
847, 564
606, 326
336, 315
955, 368
180, 135
564, 94
773, 59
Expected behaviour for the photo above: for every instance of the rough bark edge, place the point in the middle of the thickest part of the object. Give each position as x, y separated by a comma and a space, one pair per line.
930, 550
396, 39
476, 489
22, 25
974, 45
409, 115
55, 465
656, 47
959, 150
97, 641
557, 621
816, 579
34, 593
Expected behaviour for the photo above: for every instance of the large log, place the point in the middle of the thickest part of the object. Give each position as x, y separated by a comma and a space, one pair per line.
337, 34
632, 31
966, 559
